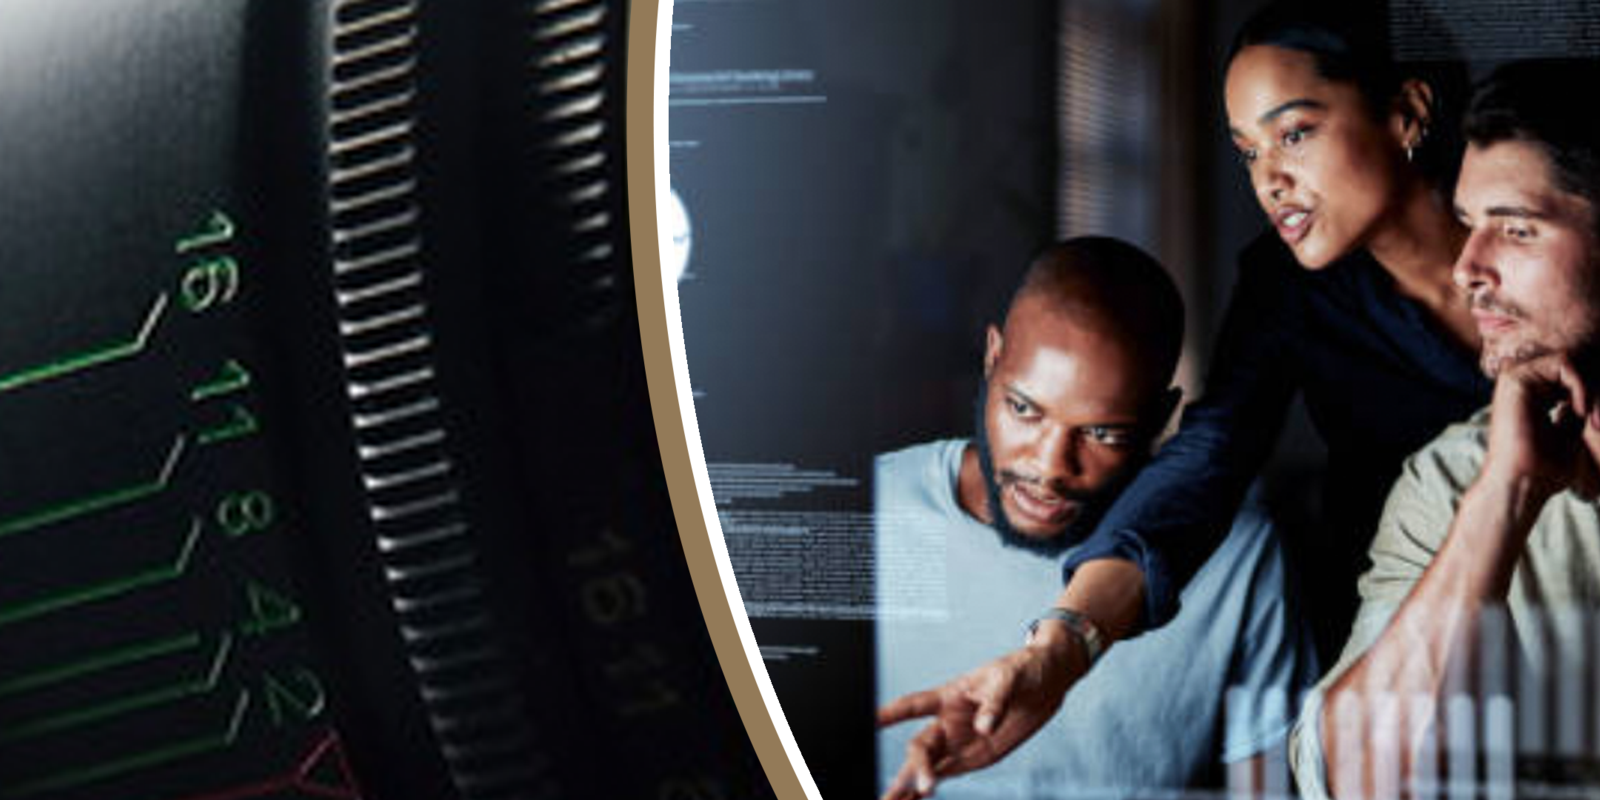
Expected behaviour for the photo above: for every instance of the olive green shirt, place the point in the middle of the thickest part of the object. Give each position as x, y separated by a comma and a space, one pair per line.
1560, 569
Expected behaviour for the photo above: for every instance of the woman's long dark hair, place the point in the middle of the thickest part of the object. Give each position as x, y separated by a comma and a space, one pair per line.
1349, 42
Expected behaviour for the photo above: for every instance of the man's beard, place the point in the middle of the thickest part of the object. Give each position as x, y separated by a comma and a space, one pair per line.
1493, 360
1091, 505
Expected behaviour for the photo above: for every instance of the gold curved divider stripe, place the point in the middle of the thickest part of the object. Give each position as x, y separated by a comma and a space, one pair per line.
649, 32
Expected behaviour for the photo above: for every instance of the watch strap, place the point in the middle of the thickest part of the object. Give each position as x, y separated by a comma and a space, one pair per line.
1094, 643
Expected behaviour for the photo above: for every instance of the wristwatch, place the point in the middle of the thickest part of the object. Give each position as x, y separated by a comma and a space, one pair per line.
1079, 624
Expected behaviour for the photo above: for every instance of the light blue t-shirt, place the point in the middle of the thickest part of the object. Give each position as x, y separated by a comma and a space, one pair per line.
951, 596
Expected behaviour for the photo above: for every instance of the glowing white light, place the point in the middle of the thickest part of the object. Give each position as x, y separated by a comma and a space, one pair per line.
677, 238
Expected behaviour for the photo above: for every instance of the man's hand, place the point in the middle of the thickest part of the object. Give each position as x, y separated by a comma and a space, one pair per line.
1544, 438
1544, 434
983, 715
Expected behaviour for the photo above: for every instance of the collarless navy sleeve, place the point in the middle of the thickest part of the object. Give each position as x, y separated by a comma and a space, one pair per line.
1180, 506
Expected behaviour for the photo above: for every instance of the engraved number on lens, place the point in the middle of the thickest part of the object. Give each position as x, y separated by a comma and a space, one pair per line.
245, 512
614, 598
213, 280
270, 610
240, 423
638, 682
210, 283
296, 697
237, 421
230, 378
217, 230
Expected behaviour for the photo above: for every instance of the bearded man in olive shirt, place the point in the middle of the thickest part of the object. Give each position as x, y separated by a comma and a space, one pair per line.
1499, 510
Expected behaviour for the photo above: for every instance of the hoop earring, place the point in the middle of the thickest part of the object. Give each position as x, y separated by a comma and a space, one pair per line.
1422, 136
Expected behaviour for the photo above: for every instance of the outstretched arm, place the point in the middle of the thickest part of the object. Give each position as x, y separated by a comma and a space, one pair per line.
980, 717
1180, 506
1127, 575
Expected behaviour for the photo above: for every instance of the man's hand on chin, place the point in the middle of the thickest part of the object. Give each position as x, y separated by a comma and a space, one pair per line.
1544, 433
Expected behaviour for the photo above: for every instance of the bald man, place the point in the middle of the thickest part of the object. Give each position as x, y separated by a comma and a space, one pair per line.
969, 535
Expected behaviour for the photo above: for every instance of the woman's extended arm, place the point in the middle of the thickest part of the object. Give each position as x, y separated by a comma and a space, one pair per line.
1180, 506
1159, 531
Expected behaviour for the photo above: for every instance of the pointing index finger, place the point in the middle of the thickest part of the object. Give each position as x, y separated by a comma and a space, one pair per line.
917, 704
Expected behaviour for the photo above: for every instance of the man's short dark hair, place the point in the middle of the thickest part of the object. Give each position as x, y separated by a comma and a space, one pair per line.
1543, 102
1115, 286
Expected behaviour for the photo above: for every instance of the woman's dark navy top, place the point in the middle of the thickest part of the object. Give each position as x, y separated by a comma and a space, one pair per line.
1379, 380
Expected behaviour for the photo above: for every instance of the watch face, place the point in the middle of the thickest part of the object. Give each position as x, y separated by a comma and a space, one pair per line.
1078, 624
